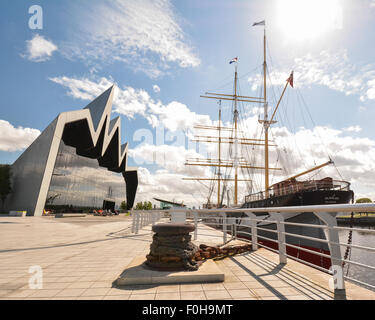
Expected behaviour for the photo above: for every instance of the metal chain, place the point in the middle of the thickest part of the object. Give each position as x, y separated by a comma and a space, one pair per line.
350, 238
209, 252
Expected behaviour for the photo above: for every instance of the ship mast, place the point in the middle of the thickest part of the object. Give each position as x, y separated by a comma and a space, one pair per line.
266, 123
219, 154
236, 162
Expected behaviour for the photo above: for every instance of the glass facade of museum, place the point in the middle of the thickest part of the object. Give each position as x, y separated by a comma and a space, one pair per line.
79, 184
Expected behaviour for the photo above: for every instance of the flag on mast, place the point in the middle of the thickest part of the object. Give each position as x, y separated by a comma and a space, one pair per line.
261, 23
233, 60
290, 79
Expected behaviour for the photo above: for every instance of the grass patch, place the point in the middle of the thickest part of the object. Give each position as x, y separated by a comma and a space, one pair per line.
359, 215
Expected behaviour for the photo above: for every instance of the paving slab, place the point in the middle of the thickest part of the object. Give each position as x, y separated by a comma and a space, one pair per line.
82, 257
138, 273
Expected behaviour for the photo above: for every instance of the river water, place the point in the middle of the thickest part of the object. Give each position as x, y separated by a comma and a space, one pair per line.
365, 239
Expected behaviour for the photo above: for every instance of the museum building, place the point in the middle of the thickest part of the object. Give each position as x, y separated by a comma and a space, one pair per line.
76, 164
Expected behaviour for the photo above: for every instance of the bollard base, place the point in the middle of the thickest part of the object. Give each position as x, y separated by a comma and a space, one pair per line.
340, 294
138, 273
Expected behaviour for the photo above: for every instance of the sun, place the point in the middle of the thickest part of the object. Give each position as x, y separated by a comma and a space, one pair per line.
308, 19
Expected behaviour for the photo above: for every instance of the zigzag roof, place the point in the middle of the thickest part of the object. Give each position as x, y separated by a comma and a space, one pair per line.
95, 135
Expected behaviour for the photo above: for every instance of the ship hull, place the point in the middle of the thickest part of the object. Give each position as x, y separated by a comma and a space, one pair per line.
320, 197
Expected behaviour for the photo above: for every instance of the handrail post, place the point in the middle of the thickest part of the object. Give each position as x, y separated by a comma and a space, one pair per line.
232, 222
329, 218
224, 227
254, 231
280, 236
235, 228
136, 222
195, 225
133, 221
178, 215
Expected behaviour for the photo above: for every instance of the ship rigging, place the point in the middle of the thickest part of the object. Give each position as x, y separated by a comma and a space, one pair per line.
287, 192
237, 162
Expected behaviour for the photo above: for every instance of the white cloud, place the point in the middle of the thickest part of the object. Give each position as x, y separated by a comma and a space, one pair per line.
169, 157
371, 90
143, 34
353, 129
168, 186
354, 156
332, 70
39, 49
156, 88
15, 139
84, 88
130, 102
176, 116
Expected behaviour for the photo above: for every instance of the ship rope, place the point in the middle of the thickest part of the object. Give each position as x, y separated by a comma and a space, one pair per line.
199, 190
251, 156
253, 151
304, 104
211, 188
228, 171
284, 122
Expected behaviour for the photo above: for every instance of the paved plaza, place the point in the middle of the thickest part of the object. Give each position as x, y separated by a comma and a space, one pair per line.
81, 258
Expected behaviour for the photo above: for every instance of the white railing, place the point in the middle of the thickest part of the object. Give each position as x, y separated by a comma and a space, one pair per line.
277, 215
144, 218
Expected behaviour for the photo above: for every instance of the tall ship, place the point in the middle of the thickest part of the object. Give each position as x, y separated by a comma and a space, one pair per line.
245, 159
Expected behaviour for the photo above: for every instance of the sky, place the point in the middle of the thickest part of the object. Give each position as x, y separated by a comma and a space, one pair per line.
162, 55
